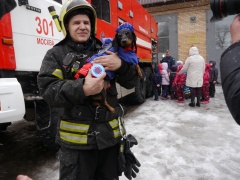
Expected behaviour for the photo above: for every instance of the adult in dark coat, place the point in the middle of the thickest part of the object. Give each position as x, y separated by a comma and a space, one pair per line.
168, 59
230, 71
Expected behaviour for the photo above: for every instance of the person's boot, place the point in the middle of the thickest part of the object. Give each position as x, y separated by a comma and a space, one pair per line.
198, 104
204, 102
192, 103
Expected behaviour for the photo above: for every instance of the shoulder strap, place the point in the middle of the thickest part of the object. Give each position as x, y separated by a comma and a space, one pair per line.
73, 60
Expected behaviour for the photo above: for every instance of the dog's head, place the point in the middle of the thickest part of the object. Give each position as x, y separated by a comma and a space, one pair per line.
125, 37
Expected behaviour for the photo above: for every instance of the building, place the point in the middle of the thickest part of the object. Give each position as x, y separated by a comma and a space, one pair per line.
183, 23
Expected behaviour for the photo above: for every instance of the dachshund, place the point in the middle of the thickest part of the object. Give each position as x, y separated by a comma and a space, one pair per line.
127, 41
124, 43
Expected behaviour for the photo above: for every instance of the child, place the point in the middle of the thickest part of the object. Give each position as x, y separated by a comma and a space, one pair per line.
172, 76
179, 83
213, 78
187, 91
179, 62
206, 84
156, 82
165, 81
160, 71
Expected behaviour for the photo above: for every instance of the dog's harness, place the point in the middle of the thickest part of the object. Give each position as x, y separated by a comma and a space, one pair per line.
84, 70
105, 49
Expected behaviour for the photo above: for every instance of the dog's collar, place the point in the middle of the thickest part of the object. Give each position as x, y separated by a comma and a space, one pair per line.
129, 49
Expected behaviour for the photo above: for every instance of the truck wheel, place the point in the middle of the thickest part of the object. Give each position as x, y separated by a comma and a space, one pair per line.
148, 75
138, 97
46, 121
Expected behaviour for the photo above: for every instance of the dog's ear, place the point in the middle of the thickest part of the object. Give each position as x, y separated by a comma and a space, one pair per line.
115, 44
134, 42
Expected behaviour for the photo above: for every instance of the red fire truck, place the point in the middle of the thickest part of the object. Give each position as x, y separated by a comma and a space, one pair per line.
28, 31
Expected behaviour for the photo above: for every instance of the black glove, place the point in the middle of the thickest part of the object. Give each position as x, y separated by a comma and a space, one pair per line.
131, 140
132, 164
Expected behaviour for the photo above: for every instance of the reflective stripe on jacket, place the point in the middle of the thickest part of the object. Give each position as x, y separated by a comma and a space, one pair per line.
78, 133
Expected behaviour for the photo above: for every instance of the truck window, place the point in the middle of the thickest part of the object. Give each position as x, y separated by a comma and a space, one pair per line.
102, 7
120, 21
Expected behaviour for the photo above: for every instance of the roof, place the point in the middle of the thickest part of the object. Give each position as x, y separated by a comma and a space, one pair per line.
150, 3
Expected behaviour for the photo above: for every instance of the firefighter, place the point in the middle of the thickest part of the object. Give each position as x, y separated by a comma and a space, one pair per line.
89, 135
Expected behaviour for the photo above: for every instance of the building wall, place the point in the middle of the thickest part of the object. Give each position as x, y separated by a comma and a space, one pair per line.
191, 31
191, 20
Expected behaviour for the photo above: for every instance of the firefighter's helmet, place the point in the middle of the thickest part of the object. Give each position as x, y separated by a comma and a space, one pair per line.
73, 6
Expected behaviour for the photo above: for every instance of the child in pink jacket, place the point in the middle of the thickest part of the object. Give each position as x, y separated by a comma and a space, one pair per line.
179, 83
206, 85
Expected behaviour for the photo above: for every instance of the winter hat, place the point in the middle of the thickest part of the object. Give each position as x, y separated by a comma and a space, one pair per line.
207, 66
174, 68
156, 70
179, 63
193, 51
179, 67
126, 25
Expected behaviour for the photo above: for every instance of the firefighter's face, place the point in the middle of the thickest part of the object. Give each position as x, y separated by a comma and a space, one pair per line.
79, 28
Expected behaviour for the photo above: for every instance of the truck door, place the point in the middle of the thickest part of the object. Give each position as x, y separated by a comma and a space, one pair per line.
34, 32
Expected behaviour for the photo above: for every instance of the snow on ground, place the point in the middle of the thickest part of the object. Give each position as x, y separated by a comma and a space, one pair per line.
178, 142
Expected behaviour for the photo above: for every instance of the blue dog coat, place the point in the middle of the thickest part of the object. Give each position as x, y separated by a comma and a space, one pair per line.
125, 54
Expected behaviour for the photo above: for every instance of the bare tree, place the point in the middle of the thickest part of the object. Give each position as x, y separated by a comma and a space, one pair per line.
221, 36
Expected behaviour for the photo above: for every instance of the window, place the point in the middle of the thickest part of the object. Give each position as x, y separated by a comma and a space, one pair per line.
120, 21
102, 7
222, 34
163, 37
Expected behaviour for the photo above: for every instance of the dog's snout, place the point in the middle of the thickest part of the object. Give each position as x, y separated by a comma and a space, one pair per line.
124, 41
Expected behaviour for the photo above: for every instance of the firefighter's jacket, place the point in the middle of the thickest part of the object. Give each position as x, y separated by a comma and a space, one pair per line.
82, 125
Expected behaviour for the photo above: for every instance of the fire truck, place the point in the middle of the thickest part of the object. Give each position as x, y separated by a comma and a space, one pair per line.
28, 31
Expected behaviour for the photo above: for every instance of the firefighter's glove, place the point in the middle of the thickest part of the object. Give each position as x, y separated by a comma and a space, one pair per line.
132, 164
131, 140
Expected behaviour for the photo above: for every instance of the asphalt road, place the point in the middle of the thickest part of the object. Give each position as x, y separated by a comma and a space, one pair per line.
21, 152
